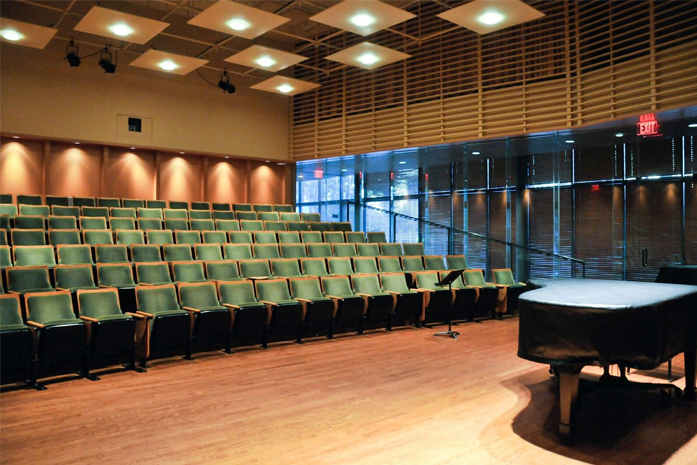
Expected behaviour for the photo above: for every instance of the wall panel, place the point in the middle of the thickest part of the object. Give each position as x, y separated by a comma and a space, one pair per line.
226, 181
73, 170
130, 174
180, 178
21, 166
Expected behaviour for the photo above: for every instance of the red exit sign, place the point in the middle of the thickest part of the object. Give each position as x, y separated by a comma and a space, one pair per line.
648, 125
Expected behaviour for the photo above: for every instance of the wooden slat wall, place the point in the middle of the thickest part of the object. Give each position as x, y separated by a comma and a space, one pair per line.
583, 63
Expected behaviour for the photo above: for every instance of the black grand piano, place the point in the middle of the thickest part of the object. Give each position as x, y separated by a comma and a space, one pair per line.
571, 323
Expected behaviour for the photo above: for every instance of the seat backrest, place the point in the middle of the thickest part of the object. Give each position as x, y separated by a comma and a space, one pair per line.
456, 262
10, 310
177, 253
69, 276
178, 205
243, 207
293, 251
57, 200
474, 277
202, 225
289, 216
313, 267
30, 222
208, 252
133, 203
265, 237
155, 213
221, 207
428, 280
227, 225
149, 223
190, 271
122, 212
265, 251
198, 295
28, 237
320, 250
340, 265
344, 250
412, 264
334, 237
115, 274
156, 204
251, 225
389, 264
20, 279
222, 271
223, 215
36, 255
84, 202
35, 210
414, 249
504, 276
25, 199
298, 226
62, 222
155, 299
5, 256
320, 226
262, 207
275, 226
59, 210
268, 216
365, 265
172, 214
237, 251
288, 237
368, 250
254, 268
273, 290
95, 212
355, 237
376, 237
240, 237
236, 292
341, 226
311, 217
127, 224
111, 253
285, 267
159, 237
391, 249
127, 237
74, 255
249, 216
214, 237
153, 273
187, 237
145, 253
305, 288
395, 282
434, 262
110, 202
200, 205
177, 224
366, 284
311, 237
93, 222
458, 283
98, 303
339, 286
283, 208
97, 236
200, 215
49, 306
10, 210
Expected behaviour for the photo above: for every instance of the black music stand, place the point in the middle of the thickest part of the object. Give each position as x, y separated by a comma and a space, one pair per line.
448, 281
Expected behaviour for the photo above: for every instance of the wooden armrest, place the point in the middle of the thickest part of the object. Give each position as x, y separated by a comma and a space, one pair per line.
266, 302
35, 324
418, 289
394, 292
146, 315
13, 292
146, 284
135, 315
303, 300
334, 297
91, 320
103, 286
363, 295
236, 307
61, 289
501, 285
193, 310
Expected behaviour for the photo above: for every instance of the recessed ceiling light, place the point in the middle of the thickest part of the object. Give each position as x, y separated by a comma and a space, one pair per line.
490, 18
10, 34
402, 163
362, 20
133, 148
227, 157
168, 65
265, 61
238, 24
285, 88
569, 141
281, 164
268, 161
368, 58
476, 153
301, 176
77, 143
693, 125
182, 153
619, 134
15, 137
121, 29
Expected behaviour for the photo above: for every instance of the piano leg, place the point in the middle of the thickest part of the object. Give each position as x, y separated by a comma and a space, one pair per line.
568, 395
690, 366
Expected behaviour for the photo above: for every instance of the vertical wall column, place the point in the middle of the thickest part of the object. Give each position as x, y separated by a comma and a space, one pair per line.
103, 172
521, 218
158, 174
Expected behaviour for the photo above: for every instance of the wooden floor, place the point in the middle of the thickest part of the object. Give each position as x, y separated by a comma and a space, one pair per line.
404, 397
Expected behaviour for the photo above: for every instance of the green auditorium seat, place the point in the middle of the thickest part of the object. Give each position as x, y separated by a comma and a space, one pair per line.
95, 212
208, 252
178, 205
368, 250
391, 249
129, 238
61, 336
30, 222
62, 222
150, 213
434, 263
223, 215
73, 277
133, 203
318, 310
314, 267
311, 237
145, 253
169, 326
117, 275
503, 279
23, 199
110, 253
57, 200
8, 209
126, 224
293, 251
438, 301
3, 236
268, 216
64, 236
200, 206
379, 304
408, 303
265, 237
188, 272
110, 202
89, 222
251, 225
28, 237
5, 257
319, 250
59, 210
16, 341
355, 237
288, 237
340, 266
200, 215
334, 237
286, 312
237, 251
153, 274
254, 268
389, 265
350, 308
212, 320
84, 202
344, 250
202, 225
265, 251
456, 262
155, 204
23, 279
285, 268
376, 237
74, 255
175, 214
488, 293
240, 237
6, 198
226, 270
177, 252
415, 249
251, 317
298, 226
33, 255
365, 265
112, 334
214, 237
262, 207
227, 225
289, 216
464, 298
122, 212
412, 264
285, 208
275, 226
146, 224
187, 237
242, 207
311, 217
159, 237
320, 226
97, 236
221, 207
247, 216
343, 226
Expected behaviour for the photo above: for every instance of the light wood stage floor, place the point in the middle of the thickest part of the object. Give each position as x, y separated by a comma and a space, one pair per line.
404, 397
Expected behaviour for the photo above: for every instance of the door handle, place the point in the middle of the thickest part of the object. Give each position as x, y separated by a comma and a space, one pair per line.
645, 257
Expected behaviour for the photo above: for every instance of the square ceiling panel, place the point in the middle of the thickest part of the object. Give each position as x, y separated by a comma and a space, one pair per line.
485, 16
29, 35
237, 19
362, 17
266, 58
168, 62
368, 56
285, 85
117, 25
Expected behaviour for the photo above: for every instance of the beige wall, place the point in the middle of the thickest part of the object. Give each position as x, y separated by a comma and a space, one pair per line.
40, 95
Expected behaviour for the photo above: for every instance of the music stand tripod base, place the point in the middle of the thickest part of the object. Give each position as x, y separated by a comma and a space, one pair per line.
448, 281
453, 334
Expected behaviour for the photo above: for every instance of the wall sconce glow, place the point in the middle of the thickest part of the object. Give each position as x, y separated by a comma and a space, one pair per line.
476, 153
285, 88
693, 125
265, 61
362, 20
619, 134
569, 141
10, 34
121, 30
368, 58
238, 24
168, 65
490, 18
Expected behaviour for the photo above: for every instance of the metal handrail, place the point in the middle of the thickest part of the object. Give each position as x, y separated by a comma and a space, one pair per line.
472, 234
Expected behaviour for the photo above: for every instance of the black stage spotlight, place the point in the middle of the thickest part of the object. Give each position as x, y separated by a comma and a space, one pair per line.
105, 61
71, 54
224, 84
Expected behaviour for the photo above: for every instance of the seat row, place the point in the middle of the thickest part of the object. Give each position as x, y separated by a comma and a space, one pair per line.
115, 202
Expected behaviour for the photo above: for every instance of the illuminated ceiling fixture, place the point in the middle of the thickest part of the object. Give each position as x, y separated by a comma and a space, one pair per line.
237, 19
118, 25
105, 61
265, 58
368, 56
72, 54
485, 16
619, 134
693, 125
363, 17
27, 34
168, 65
224, 84
285, 88
165, 61
285, 85
266, 61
